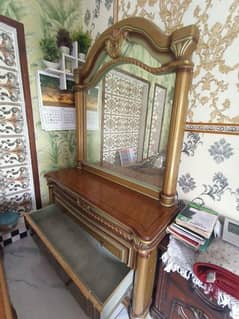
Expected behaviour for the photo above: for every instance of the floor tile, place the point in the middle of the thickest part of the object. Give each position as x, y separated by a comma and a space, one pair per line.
35, 289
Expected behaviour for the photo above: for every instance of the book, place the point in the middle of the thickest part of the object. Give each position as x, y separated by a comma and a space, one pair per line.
188, 233
200, 220
204, 247
188, 241
188, 238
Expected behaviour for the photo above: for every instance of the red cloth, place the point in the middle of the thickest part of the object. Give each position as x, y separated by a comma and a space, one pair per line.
224, 279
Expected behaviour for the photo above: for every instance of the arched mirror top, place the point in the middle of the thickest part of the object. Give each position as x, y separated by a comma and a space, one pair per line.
118, 44
131, 99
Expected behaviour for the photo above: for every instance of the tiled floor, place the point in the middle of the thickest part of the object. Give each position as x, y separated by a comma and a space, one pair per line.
35, 289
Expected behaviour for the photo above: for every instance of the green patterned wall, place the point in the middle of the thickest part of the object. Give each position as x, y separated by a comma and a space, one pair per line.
55, 149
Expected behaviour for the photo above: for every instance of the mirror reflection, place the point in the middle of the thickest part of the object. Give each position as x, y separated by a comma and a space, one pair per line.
128, 115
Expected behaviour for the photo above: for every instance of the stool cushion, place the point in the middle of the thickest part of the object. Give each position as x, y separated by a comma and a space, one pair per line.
8, 220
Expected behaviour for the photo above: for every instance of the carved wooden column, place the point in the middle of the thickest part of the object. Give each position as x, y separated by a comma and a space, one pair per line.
143, 283
178, 118
183, 43
80, 102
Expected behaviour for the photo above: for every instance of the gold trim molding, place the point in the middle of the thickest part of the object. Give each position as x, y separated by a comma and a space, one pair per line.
116, 11
213, 128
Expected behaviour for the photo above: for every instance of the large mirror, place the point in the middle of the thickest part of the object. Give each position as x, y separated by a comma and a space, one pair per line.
127, 120
131, 99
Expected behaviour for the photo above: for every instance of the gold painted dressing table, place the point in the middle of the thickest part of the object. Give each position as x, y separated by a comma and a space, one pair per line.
127, 215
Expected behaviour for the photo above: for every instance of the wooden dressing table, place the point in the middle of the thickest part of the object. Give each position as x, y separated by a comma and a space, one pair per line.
129, 224
126, 216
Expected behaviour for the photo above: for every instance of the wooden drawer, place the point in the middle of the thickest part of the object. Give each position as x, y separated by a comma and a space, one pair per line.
78, 208
96, 276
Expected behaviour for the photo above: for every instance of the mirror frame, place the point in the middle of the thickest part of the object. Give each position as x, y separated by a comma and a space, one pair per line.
175, 52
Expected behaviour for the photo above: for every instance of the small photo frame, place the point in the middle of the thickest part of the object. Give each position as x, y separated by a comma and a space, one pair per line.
127, 156
50, 93
231, 231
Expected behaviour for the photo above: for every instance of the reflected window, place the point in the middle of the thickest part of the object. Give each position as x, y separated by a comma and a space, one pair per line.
124, 115
156, 120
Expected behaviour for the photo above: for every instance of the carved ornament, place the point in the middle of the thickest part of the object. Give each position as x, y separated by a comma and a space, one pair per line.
90, 211
185, 311
180, 48
114, 43
184, 41
143, 247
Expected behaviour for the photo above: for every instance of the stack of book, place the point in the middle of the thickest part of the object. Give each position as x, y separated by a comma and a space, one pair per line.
194, 226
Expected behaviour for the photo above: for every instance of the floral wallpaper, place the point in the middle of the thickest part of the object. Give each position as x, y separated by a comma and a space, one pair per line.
210, 154
97, 16
206, 172
54, 149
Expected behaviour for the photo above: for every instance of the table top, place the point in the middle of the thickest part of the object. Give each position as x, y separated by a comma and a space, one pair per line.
145, 216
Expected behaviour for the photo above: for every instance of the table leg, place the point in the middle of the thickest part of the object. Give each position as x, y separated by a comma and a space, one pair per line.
143, 284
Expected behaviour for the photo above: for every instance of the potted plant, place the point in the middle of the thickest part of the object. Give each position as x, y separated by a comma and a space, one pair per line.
63, 40
50, 52
84, 41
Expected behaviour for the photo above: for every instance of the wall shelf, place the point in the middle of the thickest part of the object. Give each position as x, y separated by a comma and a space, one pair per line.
67, 65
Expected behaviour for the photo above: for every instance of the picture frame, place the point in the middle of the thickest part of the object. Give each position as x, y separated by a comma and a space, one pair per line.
56, 106
50, 93
127, 156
